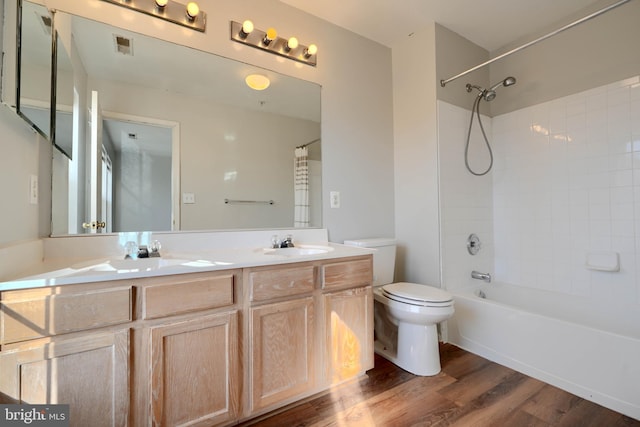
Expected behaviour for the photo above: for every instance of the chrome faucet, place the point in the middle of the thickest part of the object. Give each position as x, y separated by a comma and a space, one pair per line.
481, 276
133, 251
287, 242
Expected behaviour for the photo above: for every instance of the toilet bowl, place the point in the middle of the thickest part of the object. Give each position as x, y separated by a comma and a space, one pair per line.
406, 314
415, 310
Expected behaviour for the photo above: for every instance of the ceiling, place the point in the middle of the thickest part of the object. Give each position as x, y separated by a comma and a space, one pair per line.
490, 24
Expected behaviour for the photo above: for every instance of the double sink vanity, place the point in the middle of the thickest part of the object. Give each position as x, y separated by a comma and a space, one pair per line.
218, 330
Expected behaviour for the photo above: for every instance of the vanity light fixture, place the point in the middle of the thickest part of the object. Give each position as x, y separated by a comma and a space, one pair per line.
270, 42
257, 81
188, 15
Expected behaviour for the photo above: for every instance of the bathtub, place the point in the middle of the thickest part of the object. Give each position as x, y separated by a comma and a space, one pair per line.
559, 339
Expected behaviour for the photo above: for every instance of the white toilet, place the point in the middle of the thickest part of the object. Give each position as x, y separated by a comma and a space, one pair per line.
406, 314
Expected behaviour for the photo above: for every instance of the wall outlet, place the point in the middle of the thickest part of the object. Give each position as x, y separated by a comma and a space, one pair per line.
188, 198
334, 199
33, 189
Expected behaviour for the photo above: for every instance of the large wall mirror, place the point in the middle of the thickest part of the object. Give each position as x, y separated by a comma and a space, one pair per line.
164, 137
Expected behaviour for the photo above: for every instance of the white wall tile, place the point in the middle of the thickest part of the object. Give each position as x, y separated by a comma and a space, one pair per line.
566, 179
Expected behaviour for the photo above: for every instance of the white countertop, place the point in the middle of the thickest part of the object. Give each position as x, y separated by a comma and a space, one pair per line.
64, 271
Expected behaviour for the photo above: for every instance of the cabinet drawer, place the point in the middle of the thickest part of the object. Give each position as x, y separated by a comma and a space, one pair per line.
347, 273
187, 295
281, 282
36, 313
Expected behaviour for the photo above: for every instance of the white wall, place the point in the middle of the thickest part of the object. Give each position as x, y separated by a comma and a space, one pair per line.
141, 191
595, 53
416, 159
24, 153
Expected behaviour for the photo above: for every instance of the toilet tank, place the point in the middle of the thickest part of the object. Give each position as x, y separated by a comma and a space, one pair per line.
384, 257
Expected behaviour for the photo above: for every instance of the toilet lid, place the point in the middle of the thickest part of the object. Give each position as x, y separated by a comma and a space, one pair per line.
417, 294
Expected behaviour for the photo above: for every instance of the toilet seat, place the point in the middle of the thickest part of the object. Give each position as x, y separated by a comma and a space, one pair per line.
415, 294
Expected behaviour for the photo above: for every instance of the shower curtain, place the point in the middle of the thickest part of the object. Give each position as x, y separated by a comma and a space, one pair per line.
301, 188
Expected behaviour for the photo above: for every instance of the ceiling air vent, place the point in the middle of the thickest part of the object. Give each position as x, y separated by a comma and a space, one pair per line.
123, 45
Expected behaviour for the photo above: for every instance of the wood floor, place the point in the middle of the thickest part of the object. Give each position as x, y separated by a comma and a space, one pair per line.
470, 391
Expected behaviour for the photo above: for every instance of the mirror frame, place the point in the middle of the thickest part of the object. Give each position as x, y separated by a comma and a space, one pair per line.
46, 134
177, 209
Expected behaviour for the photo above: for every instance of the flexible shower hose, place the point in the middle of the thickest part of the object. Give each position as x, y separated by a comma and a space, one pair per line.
476, 109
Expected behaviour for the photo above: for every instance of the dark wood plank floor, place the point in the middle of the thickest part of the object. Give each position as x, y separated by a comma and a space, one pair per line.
470, 391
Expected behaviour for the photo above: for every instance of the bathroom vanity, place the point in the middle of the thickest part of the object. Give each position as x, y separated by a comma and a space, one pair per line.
168, 347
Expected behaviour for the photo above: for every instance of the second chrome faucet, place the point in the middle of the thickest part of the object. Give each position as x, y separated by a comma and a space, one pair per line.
481, 276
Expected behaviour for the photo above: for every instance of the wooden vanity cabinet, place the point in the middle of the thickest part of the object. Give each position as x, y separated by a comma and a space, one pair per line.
198, 349
309, 325
281, 334
68, 344
187, 364
347, 302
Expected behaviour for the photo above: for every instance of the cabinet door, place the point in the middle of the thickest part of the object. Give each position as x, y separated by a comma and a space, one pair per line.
194, 371
281, 351
90, 373
348, 322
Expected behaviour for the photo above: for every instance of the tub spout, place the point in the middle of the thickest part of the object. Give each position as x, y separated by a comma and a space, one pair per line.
481, 276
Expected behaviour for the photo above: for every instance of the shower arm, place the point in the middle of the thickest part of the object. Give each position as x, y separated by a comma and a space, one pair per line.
443, 83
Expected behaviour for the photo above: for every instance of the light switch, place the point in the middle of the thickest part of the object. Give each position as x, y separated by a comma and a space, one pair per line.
334, 199
33, 189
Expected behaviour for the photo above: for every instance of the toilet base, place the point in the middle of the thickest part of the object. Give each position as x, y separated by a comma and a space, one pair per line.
418, 356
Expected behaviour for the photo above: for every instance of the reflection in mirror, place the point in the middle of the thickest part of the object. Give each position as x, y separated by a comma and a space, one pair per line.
34, 70
63, 129
182, 133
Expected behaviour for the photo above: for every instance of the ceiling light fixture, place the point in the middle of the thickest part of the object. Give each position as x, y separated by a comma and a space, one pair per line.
257, 81
270, 42
188, 15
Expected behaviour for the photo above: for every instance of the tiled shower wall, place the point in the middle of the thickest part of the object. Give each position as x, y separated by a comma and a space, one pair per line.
466, 204
565, 182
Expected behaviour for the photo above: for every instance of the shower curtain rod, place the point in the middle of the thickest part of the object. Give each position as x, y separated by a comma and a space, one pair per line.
539, 39
308, 143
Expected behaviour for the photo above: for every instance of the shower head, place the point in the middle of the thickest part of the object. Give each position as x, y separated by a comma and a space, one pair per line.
489, 95
509, 81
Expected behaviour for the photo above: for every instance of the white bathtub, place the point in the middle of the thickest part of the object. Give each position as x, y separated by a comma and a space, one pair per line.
555, 338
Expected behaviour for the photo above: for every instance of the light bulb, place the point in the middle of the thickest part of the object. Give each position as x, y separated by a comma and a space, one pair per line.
247, 27
161, 3
269, 36
311, 50
192, 10
292, 43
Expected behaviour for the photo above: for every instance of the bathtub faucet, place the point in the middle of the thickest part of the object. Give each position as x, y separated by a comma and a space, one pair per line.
481, 276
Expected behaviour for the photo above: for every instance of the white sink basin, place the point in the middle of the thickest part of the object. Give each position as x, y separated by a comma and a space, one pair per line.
300, 250
126, 265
